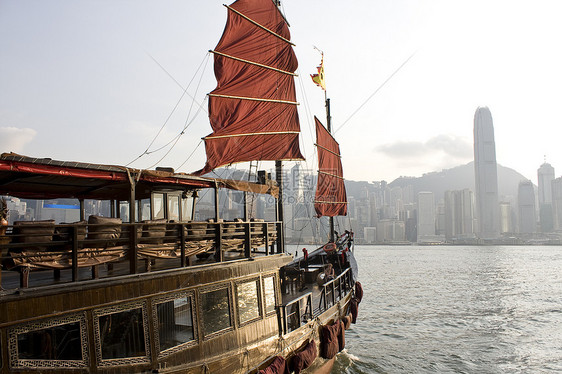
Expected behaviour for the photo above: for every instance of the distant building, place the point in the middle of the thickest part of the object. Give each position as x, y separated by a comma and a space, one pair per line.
545, 177
370, 235
426, 215
506, 225
557, 203
459, 214
486, 173
389, 230
440, 218
526, 207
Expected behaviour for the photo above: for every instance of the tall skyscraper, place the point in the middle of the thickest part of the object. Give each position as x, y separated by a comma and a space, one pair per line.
545, 176
426, 215
526, 207
557, 202
486, 172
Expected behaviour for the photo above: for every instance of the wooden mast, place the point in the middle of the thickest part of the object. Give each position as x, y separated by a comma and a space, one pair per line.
329, 126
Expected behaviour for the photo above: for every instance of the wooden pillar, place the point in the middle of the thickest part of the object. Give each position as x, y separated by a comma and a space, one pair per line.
280, 216
132, 229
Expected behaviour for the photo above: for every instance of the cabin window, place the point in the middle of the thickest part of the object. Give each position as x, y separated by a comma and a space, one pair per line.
144, 207
158, 206
247, 300
52, 343
175, 321
121, 335
215, 311
124, 211
269, 291
173, 207
186, 209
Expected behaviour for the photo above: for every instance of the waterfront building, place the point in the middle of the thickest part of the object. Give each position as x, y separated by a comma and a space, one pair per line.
440, 218
459, 214
486, 173
426, 215
545, 177
557, 202
370, 235
526, 207
390, 230
506, 225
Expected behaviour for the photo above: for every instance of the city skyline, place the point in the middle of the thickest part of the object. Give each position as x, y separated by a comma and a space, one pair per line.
111, 70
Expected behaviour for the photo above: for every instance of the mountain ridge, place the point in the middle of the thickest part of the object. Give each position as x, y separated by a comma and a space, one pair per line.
456, 178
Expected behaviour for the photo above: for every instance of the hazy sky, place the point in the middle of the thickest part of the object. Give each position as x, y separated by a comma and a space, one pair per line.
80, 80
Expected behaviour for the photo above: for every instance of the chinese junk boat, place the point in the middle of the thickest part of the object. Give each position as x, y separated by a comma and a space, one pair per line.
134, 283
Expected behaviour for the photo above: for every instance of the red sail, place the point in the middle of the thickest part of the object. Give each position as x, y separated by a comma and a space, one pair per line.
331, 199
253, 109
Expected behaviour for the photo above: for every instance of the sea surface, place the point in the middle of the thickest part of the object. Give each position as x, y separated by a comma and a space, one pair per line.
457, 309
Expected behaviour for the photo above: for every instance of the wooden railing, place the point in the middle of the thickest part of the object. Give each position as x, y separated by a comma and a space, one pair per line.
299, 311
335, 290
31, 247
296, 313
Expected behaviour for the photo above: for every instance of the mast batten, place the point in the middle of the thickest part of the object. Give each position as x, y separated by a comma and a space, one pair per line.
327, 150
255, 99
253, 63
258, 25
252, 134
331, 175
330, 202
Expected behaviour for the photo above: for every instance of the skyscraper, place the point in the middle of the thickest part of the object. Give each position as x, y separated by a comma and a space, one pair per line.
426, 215
459, 217
486, 172
545, 176
557, 203
526, 207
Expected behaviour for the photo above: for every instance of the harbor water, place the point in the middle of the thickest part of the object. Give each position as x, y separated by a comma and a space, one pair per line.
457, 309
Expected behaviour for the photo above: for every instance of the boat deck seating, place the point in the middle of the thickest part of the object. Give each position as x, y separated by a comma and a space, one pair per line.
42, 245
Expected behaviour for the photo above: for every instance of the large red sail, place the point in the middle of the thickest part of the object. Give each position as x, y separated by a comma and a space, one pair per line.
331, 198
253, 109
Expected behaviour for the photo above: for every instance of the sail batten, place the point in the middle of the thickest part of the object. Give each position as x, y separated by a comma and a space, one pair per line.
255, 92
255, 99
331, 198
252, 134
254, 63
259, 25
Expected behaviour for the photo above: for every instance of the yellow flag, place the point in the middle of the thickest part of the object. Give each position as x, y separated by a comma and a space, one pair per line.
319, 78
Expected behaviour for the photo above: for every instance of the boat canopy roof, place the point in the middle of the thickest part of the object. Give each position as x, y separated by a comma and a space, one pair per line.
44, 178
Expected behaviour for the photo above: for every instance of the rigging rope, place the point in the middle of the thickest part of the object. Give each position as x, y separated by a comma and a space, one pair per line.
184, 93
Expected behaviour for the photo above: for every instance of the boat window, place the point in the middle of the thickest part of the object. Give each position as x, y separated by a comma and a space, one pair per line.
215, 309
248, 301
186, 209
175, 322
144, 210
173, 207
158, 206
124, 211
52, 343
122, 334
269, 290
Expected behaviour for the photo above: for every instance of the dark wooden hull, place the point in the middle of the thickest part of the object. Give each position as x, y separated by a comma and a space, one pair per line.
240, 348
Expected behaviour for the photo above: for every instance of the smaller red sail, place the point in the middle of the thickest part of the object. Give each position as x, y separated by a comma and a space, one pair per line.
331, 198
